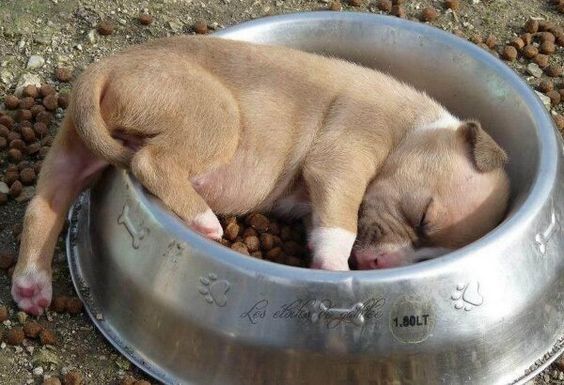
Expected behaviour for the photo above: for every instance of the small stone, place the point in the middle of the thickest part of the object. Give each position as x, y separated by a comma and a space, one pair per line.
23, 115
32, 329
35, 61
22, 317
63, 74
145, 19
429, 14
534, 69
15, 155
532, 26
452, 4
530, 51
47, 337
73, 377
541, 60
544, 99
51, 381
554, 70
4, 315
38, 371
509, 53
4, 189
15, 336
17, 144
384, 5
105, 28
201, 27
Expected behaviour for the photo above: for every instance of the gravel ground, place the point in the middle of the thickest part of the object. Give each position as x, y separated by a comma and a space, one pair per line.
41, 37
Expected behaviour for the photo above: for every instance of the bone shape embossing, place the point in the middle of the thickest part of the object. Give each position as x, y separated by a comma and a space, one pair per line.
542, 238
136, 235
354, 314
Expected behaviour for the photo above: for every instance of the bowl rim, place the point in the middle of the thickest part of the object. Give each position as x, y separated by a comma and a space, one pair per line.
537, 196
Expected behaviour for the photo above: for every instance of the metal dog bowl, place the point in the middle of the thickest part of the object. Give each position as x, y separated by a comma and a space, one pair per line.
189, 311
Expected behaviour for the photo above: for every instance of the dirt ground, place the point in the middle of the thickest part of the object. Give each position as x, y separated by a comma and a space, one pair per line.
63, 34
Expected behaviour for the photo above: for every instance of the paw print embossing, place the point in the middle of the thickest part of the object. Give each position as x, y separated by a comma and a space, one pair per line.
214, 291
467, 296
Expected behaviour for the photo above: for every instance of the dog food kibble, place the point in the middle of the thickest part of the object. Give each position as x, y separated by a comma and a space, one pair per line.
27, 176
258, 222
52, 381
532, 26
335, 6
530, 51
141, 382
4, 131
43, 117
46, 89
554, 70
249, 232
267, 241
47, 337
3, 198
51, 102
15, 336
3, 142
63, 74
201, 27
491, 41
355, 3
398, 11
240, 247
105, 28
429, 14
145, 19
63, 101
31, 91
15, 155
6, 121
11, 102
22, 115
32, 329
74, 306
16, 189
518, 43
3, 313
127, 380
26, 103
231, 231
546, 86
541, 60
559, 121
453, 4
252, 242
59, 303
17, 144
547, 47
384, 5
554, 97
7, 260
40, 129
509, 53
28, 134
527, 38
72, 378
546, 36
36, 109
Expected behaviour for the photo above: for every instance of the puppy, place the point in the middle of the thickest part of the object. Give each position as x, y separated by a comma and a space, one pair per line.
210, 125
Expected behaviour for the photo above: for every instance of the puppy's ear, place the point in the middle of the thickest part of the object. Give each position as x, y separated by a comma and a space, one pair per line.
485, 152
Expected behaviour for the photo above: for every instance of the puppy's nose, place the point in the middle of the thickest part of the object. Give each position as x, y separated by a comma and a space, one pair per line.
370, 260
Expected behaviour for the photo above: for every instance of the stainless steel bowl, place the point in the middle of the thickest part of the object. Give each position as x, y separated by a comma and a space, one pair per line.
189, 311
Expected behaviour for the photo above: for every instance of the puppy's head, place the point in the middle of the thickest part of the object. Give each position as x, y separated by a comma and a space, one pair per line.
439, 190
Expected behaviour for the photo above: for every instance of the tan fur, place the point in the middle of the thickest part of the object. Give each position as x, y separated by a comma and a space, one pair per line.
230, 126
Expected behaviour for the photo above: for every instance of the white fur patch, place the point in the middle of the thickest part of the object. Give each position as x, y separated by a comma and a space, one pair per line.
331, 247
208, 224
447, 121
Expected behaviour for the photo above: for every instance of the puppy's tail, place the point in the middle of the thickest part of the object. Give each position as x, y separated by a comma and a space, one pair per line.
89, 123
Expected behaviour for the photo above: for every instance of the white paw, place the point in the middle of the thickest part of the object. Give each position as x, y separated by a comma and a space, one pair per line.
207, 224
331, 248
32, 290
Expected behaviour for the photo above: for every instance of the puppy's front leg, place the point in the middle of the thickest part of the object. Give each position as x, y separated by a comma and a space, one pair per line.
336, 194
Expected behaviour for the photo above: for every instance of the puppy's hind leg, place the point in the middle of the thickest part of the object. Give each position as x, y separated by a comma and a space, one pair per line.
66, 171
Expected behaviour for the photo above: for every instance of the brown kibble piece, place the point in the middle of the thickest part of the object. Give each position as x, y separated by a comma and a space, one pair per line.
12, 135
3, 313
63, 74
145, 19
3, 142
141, 382
335, 6
52, 381
3, 199
74, 306
36, 109
398, 11
384, 5
532, 26
16, 189
4, 131
554, 97
355, 3
559, 121
28, 134
31, 91
249, 231
40, 129
15, 155
72, 378
491, 41
429, 14
33, 148
453, 4
267, 241
240, 247
518, 43
546, 36
231, 231
527, 38
46, 89
11, 102
127, 380
252, 242
51, 102
530, 51
257, 254
59, 303
15, 336
294, 261
476, 39
11, 176
17, 144
47, 337
541, 60
274, 254
32, 329
43, 117
398, 2
26, 102
547, 47
546, 86
105, 28
201, 27
259, 222
554, 70
7, 260
561, 92
23, 115
27, 176
63, 101
6, 121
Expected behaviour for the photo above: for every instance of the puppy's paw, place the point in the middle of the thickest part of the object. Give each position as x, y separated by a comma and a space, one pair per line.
208, 225
331, 248
32, 290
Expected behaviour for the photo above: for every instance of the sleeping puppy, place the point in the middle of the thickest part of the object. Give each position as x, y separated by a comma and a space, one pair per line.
212, 126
